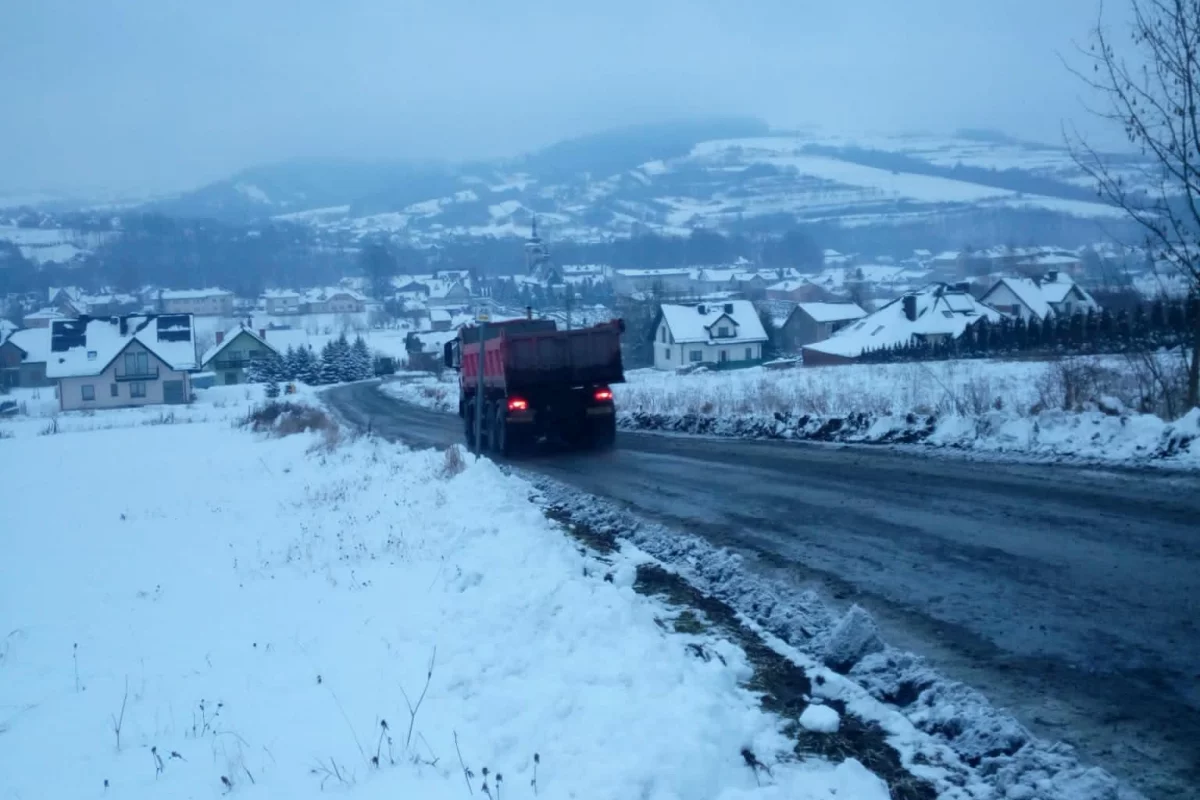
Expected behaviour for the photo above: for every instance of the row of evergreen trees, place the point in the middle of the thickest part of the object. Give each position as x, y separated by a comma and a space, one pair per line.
1149, 326
338, 361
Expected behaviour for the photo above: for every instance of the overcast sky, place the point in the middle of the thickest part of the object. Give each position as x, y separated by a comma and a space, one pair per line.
158, 95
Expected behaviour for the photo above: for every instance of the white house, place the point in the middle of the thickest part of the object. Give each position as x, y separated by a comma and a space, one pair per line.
233, 353
135, 360
1020, 298
1028, 298
281, 301
932, 314
201, 302
728, 334
1065, 296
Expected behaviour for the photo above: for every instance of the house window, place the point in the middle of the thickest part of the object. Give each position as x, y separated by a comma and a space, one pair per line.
695, 356
112, 390
235, 355
91, 355
749, 353
88, 392
723, 332
137, 364
724, 356
667, 353
137, 389
663, 335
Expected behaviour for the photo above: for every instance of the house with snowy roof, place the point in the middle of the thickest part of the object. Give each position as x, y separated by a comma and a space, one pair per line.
42, 317
229, 359
815, 322
1065, 296
722, 335
333, 300
281, 301
932, 314
797, 290
1056, 294
23, 358
133, 360
200, 302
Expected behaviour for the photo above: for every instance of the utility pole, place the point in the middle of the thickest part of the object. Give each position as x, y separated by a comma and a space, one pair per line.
482, 328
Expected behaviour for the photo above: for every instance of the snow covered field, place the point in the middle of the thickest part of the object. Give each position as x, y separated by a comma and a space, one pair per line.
194, 610
1010, 408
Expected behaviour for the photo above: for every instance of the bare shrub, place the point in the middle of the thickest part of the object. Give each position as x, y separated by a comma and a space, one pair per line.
51, 427
287, 418
977, 396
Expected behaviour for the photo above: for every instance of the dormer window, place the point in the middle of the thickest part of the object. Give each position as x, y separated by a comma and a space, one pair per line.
723, 332
91, 355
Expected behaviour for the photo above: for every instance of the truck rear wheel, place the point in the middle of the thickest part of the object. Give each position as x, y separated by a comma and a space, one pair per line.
469, 426
604, 434
501, 441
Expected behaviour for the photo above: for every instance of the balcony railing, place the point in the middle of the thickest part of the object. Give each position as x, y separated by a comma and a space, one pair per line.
146, 374
230, 363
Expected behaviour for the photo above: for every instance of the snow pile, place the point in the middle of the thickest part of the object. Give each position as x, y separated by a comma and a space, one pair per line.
215, 612
820, 719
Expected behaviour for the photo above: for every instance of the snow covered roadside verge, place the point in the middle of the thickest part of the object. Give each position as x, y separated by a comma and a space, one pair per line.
1089, 436
720, 404
197, 610
948, 735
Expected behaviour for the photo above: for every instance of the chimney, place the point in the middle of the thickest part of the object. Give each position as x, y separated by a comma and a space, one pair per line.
703, 309
963, 287
910, 307
262, 334
729, 308
528, 312
1052, 276
220, 336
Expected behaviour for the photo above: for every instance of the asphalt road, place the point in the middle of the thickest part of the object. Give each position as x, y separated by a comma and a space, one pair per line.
1069, 596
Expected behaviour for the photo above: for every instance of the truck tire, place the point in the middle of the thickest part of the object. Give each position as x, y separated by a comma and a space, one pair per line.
500, 440
469, 425
604, 435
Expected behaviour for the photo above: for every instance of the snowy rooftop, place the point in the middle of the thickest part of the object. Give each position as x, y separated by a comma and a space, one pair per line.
698, 323
1056, 291
790, 285
939, 310
1027, 292
279, 294
35, 342
45, 313
832, 312
228, 337
647, 273
325, 293
86, 346
193, 294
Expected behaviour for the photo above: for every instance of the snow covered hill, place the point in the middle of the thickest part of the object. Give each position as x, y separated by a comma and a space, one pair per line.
727, 184
725, 175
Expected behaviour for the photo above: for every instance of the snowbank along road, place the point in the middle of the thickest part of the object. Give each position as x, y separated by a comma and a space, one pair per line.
1069, 596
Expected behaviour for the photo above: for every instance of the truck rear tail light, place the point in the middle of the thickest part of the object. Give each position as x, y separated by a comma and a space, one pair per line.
603, 395
517, 404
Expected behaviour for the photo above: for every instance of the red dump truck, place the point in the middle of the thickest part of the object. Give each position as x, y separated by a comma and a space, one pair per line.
539, 383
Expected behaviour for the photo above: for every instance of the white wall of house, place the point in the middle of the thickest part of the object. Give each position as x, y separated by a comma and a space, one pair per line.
669, 354
110, 390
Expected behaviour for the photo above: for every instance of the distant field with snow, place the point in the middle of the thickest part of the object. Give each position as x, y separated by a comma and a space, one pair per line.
209, 611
